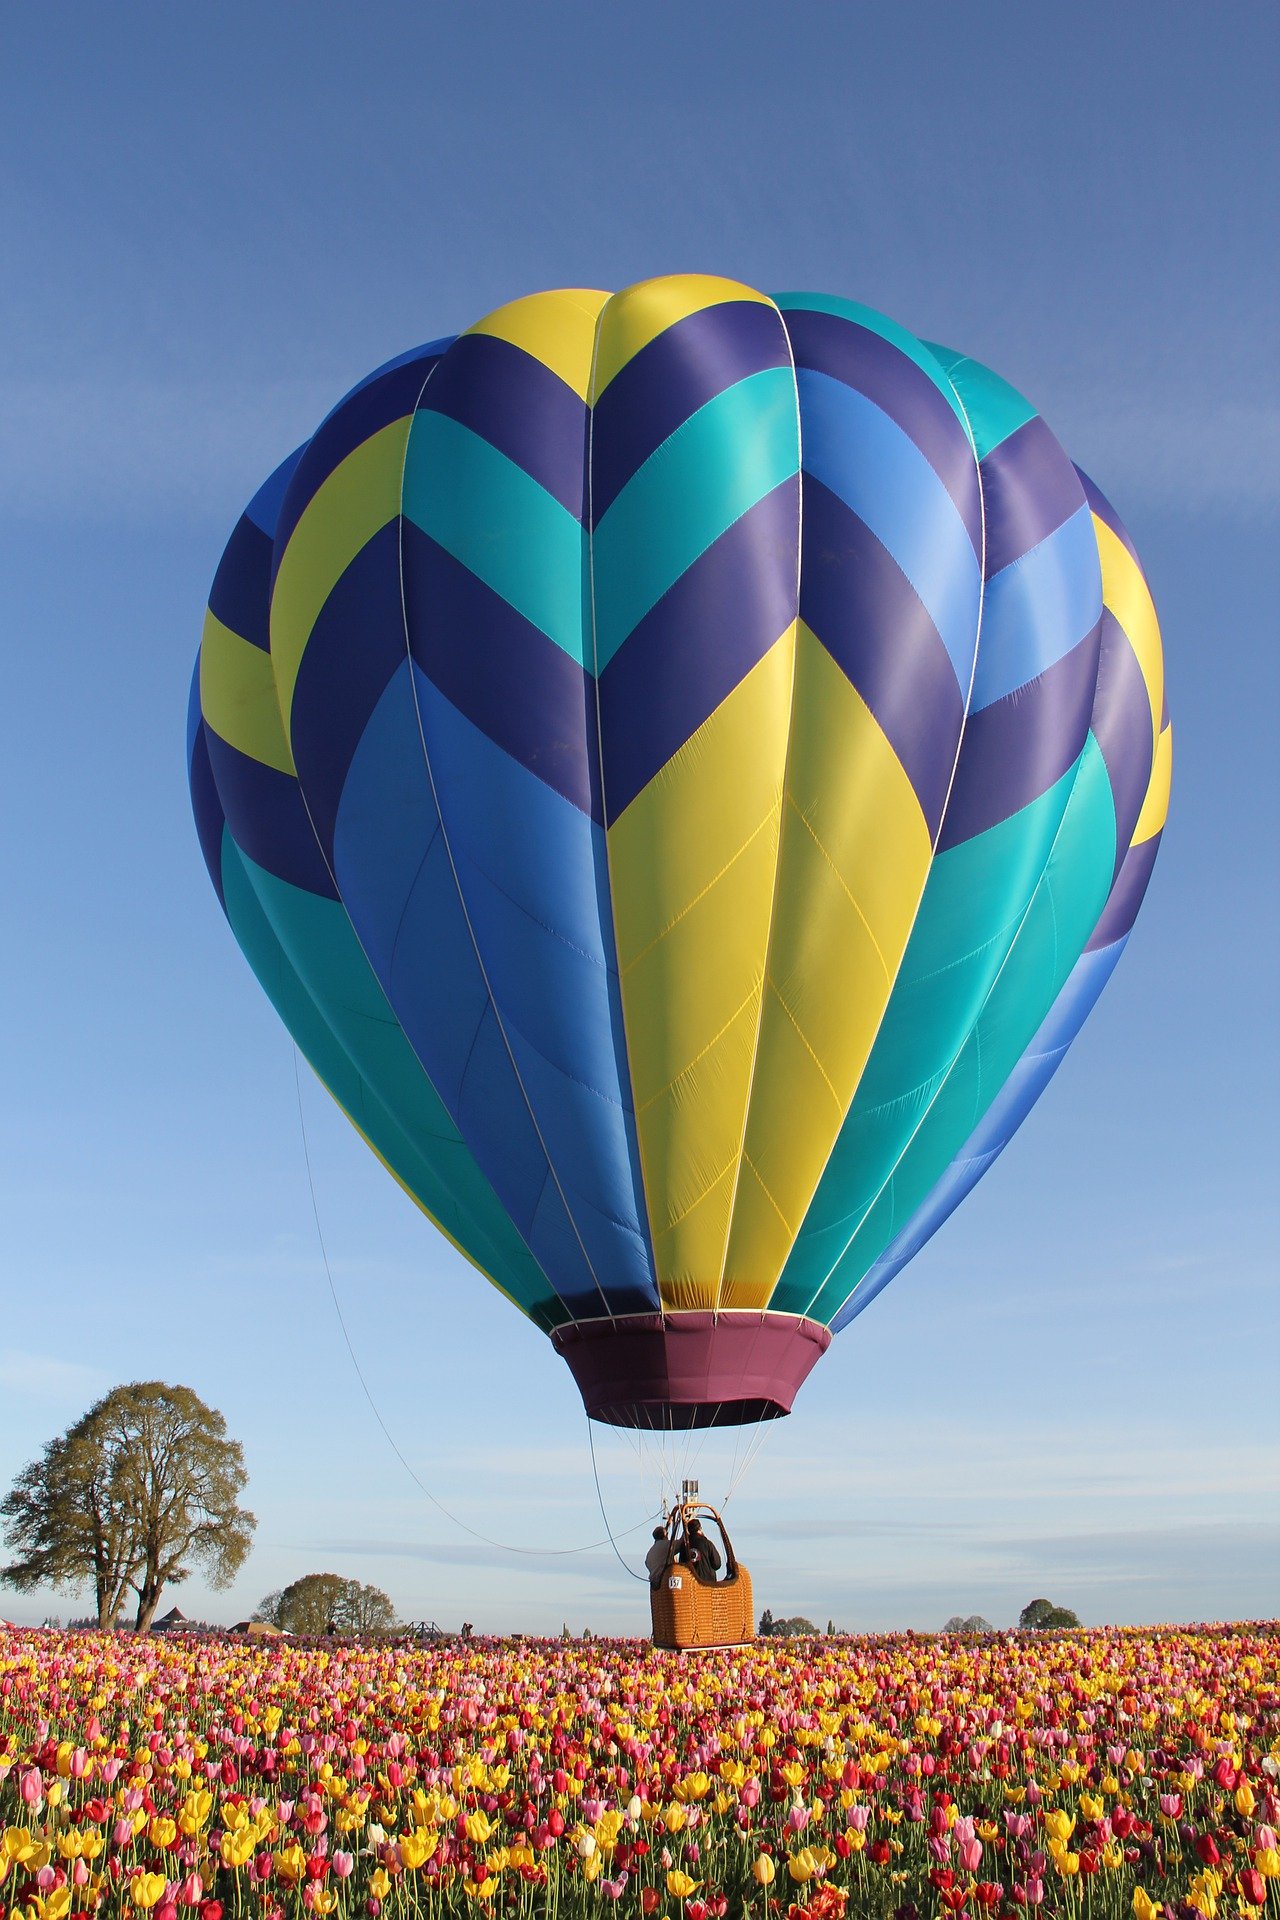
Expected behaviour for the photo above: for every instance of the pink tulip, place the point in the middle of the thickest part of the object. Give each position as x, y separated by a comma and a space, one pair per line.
969, 1854
798, 1819
191, 1890
122, 1832
342, 1863
31, 1787
857, 1818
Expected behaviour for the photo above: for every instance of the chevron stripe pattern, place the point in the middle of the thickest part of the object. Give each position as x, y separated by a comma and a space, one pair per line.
682, 763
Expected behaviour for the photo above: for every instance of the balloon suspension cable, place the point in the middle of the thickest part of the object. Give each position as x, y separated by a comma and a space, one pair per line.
503, 1546
751, 1454
604, 1516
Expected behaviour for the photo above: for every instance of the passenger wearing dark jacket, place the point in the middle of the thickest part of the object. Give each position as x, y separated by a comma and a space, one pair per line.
701, 1554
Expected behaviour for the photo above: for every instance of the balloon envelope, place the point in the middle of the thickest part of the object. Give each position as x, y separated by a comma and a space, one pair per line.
680, 763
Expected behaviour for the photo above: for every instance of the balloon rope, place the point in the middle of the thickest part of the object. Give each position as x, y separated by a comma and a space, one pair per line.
749, 1458
604, 1516
533, 1553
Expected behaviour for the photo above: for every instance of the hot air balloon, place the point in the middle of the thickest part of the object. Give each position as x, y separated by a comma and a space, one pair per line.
682, 764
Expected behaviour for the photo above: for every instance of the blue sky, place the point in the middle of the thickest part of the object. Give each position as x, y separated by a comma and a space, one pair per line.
215, 221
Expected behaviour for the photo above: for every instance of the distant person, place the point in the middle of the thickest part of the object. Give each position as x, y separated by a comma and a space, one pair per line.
657, 1557
701, 1554
331, 1628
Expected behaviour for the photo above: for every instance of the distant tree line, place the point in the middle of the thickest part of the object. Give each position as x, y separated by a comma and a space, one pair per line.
784, 1629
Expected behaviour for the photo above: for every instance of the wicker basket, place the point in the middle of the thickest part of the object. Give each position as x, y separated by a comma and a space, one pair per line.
688, 1612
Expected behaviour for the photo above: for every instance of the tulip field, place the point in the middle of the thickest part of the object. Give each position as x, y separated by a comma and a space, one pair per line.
1090, 1774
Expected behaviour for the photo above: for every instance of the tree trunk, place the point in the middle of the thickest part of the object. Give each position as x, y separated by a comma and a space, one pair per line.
147, 1604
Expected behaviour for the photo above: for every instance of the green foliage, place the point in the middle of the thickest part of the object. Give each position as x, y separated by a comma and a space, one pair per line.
784, 1629
65, 1520
1040, 1615
143, 1487
327, 1603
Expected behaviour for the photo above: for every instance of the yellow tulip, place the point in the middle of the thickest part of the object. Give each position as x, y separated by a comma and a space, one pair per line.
163, 1831
380, 1884
1244, 1799
763, 1870
675, 1818
608, 1827
197, 1805
802, 1866
146, 1889
56, 1904
1059, 1824
1144, 1907
237, 1848
695, 1786
679, 1884
416, 1849
1090, 1806
291, 1865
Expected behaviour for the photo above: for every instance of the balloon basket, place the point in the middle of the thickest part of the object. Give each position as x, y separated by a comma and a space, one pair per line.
689, 1614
